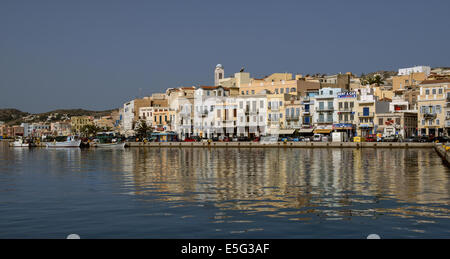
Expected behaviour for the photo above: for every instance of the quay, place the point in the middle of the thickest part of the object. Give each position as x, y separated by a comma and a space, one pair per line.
283, 144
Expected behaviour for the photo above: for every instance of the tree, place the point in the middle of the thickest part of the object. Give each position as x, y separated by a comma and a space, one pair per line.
142, 129
370, 79
89, 130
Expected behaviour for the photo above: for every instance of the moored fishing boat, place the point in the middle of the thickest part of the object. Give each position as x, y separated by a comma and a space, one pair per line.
19, 143
70, 142
110, 145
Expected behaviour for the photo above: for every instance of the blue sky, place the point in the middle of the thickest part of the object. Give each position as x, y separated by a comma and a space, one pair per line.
99, 54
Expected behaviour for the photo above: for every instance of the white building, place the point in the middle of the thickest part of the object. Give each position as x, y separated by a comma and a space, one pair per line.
416, 69
128, 118
214, 111
324, 112
251, 115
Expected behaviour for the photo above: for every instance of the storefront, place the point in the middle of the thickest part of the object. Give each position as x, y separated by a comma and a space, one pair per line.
347, 128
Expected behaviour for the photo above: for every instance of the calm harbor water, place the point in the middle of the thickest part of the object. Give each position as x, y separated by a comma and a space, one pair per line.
223, 193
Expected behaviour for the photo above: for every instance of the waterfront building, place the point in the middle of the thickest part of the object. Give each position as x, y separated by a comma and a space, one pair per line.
345, 104
104, 122
275, 112
208, 120
181, 101
131, 110
230, 82
78, 122
413, 70
61, 128
365, 111
324, 110
292, 114
432, 102
306, 113
159, 118
399, 123
35, 129
277, 83
252, 114
408, 81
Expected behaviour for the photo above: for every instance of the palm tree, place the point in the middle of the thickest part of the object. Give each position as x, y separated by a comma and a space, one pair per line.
143, 129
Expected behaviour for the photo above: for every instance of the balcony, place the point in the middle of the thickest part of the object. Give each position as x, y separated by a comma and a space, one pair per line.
366, 114
345, 109
277, 108
292, 118
324, 121
429, 115
204, 113
365, 124
324, 109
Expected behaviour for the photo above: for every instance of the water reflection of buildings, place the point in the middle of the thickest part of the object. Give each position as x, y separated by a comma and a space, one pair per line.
330, 181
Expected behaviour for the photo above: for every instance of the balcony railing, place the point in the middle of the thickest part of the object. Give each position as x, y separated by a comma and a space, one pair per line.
428, 115
365, 124
345, 109
366, 114
292, 118
324, 109
324, 121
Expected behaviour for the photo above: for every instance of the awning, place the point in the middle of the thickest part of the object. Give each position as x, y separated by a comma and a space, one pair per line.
306, 130
323, 131
286, 132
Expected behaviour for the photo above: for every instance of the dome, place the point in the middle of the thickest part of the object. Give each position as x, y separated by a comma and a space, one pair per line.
219, 66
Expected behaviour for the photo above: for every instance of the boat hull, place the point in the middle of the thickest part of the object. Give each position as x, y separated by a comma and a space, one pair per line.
110, 145
72, 143
19, 144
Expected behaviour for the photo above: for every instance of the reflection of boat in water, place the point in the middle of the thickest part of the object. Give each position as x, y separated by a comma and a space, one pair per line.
70, 142
19, 143
110, 145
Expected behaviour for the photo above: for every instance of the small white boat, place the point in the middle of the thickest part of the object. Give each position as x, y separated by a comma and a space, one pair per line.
19, 143
70, 142
110, 145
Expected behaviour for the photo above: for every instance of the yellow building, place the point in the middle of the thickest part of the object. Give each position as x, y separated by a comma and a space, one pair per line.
408, 81
432, 103
276, 83
77, 122
365, 112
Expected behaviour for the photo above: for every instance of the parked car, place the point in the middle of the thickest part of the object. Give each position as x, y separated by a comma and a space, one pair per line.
371, 138
256, 139
441, 139
390, 139
317, 137
189, 140
412, 139
243, 139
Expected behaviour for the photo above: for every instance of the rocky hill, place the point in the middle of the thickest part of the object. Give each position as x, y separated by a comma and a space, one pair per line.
14, 116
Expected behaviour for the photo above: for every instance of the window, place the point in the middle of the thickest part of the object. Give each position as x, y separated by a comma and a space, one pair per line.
380, 121
340, 105
423, 122
437, 121
440, 90
281, 90
261, 104
287, 112
287, 90
427, 92
397, 121
276, 90
433, 91
241, 105
253, 91
242, 93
